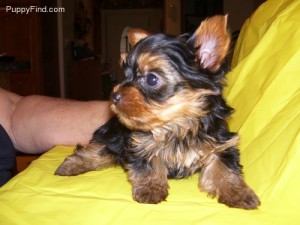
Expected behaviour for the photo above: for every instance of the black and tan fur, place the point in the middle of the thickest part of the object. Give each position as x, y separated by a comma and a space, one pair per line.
171, 119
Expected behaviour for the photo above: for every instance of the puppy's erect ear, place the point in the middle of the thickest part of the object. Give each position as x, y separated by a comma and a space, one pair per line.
211, 41
123, 57
135, 35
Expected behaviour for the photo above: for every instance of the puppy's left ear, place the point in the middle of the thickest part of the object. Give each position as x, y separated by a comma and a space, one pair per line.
211, 41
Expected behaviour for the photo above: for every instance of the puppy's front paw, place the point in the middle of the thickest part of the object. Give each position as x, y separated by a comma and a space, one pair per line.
243, 198
70, 167
151, 194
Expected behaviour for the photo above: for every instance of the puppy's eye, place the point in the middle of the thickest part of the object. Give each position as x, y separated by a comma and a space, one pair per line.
151, 79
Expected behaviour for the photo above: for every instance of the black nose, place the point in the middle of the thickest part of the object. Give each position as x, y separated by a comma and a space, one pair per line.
116, 97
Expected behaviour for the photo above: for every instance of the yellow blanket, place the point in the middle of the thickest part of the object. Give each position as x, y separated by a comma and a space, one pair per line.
263, 87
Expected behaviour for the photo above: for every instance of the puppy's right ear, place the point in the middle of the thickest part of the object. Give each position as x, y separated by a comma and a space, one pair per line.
135, 35
123, 57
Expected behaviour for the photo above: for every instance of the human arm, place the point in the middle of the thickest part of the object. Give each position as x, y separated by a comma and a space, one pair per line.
37, 123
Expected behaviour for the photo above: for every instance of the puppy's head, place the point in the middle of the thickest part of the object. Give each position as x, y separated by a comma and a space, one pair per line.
169, 78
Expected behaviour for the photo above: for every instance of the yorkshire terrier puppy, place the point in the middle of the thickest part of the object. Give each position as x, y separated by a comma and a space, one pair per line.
171, 119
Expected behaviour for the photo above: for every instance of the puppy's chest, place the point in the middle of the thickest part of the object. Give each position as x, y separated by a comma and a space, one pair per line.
182, 157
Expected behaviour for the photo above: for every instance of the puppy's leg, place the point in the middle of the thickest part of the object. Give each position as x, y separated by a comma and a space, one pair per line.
86, 158
149, 181
218, 178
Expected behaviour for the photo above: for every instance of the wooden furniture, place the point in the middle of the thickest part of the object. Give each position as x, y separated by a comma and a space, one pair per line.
23, 161
20, 37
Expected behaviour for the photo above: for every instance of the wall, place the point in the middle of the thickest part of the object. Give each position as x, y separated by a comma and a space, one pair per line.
50, 51
172, 17
65, 25
239, 11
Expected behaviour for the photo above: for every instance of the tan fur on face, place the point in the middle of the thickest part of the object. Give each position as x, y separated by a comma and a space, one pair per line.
149, 62
137, 113
182, 108
185, 104
132, 110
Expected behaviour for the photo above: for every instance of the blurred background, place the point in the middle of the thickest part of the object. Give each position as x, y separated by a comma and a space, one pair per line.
71, 48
